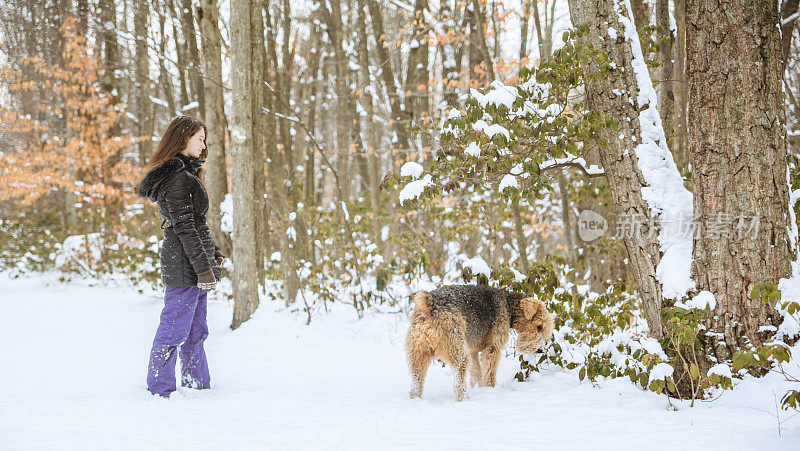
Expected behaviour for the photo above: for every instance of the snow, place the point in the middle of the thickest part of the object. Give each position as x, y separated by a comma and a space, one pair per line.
414, 189
508, 180
720, 369
790, 292
158, 101
660, 372
411, 169
499, 94
238, 134
478, 266
665, 194
790, 287
74, 358
473, 150
490, 130
190, 106
226, 210
593, 169
701, 301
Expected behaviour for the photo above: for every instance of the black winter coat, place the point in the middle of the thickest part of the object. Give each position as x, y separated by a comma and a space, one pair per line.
182, 201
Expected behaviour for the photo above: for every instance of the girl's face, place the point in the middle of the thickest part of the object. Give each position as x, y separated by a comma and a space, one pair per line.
195, 145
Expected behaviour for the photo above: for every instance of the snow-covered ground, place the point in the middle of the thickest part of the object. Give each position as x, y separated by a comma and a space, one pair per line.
73, 360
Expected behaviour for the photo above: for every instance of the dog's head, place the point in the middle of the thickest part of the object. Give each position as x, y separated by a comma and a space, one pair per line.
534, 325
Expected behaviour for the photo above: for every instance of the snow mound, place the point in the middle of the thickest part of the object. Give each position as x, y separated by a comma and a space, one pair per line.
720, 369
660, 372
411, 169
414, 189
478, 266
701, 301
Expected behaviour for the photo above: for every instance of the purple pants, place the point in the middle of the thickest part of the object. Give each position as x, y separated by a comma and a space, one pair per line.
183, 323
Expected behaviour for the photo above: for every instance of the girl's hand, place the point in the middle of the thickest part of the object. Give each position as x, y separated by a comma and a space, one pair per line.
206, 280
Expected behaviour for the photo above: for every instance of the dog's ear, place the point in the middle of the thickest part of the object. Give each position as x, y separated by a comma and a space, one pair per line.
530, 307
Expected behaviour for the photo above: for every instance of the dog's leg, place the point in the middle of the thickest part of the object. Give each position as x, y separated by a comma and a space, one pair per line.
455, 354
418, 361
475, 374
419, 340
459, 364
491, 361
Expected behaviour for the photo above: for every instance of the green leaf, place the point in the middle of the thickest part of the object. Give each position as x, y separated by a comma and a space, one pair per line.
694, 371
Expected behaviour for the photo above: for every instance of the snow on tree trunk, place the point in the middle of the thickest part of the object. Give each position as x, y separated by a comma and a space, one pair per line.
644, 181
737, 146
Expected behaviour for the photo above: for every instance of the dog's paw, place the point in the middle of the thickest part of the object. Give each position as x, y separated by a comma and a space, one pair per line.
414, 394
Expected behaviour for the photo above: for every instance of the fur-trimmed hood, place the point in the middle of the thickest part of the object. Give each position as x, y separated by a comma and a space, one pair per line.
151, 182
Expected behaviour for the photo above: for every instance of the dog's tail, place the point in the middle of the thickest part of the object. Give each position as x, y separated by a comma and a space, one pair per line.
421, 301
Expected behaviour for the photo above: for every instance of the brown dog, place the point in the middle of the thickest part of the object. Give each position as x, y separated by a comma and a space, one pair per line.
460, 322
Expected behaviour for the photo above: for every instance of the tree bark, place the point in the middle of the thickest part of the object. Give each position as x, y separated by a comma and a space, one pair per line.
737, 146
245, 275
216, 121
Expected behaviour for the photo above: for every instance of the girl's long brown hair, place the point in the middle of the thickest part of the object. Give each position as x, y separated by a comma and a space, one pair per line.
173, 142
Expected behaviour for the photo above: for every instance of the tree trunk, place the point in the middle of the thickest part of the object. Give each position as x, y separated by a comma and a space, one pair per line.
164, 78
258, 76
371, 179
144, 106
666, 104
278, 172
245, 275
737, 147
193, 56
620, 161
641, 13
524, 27
216, 122
181, 53
451, 56
788, 9
680, 134
479, 22
399, 113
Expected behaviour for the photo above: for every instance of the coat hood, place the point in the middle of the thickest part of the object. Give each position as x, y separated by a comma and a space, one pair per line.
151, 182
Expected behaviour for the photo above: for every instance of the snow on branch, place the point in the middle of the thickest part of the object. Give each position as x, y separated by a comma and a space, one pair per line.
574, 162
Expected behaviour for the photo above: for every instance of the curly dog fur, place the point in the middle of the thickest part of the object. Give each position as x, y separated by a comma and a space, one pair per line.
467, 327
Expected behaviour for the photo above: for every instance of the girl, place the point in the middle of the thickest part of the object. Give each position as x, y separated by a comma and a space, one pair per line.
190, 259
